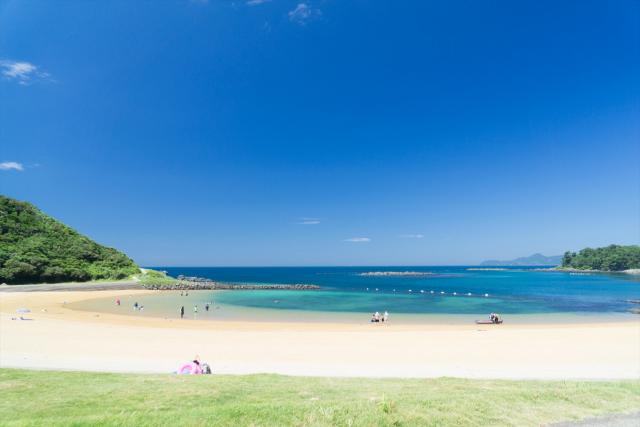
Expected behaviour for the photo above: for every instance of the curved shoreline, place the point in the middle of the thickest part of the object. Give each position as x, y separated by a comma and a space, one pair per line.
62, 338
222, 311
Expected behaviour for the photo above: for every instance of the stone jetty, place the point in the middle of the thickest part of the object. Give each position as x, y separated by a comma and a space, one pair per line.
200, 283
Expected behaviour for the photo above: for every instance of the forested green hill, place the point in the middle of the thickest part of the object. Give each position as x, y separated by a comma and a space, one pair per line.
609, 258
36, 248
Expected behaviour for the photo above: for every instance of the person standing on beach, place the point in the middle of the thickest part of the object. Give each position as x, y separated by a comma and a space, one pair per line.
182, 312
195, 310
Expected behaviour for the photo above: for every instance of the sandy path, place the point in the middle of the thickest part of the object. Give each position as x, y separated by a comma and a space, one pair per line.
61, 338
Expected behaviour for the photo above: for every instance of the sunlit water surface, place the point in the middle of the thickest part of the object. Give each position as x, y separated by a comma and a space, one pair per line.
447, 295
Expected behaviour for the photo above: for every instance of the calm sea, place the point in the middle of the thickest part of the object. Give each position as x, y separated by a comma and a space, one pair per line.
346, 293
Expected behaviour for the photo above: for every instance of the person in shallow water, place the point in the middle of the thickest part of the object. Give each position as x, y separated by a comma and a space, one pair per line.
206, 307
195, 309
182, 312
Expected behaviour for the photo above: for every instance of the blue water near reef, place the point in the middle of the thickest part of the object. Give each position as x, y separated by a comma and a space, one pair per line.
345, 289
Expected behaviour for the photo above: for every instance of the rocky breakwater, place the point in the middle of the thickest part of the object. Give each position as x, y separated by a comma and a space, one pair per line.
396, 273
200, 283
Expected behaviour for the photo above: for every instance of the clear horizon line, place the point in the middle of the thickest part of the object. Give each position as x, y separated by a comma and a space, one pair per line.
344, 265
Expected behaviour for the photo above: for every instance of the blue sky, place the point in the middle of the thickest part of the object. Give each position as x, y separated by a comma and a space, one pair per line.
325, 132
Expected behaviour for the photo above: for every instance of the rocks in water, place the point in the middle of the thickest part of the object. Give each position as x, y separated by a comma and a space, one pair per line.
396, 273
197, 283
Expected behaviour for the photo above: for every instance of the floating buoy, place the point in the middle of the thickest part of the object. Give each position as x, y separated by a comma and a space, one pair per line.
486, 295
410, 290
455, 293
468, 293
431, 291
376, 289
441, 292
421, 291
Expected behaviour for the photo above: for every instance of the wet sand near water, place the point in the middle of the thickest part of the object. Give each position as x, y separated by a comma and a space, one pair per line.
61, 338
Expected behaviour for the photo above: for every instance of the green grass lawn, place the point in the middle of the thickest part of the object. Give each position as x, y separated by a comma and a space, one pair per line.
51, 398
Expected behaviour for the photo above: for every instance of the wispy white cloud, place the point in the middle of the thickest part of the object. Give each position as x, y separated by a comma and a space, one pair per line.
7, 166
358, 239
256, 2
22, 72
412, 236
302, 13
308, 221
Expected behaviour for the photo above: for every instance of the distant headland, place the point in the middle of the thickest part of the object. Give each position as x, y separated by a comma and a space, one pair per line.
612, 258
608, 259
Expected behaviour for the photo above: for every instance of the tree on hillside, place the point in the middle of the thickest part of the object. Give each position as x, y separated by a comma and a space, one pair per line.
36, 248
609, 258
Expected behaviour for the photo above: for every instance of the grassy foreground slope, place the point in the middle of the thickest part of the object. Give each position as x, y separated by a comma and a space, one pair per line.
36, 248
73, 398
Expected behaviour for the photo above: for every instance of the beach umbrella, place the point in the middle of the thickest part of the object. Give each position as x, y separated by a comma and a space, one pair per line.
23, 310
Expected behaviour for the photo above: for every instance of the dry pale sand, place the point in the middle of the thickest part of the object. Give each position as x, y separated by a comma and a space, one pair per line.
61, 338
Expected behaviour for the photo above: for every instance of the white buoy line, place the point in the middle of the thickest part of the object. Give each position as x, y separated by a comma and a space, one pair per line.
422, 291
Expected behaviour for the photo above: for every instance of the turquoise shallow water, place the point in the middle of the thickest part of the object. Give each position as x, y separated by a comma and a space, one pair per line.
455, 293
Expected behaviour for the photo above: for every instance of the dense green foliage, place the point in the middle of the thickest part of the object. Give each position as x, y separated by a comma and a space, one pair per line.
610, 258
157, 278
46, 398
36, 248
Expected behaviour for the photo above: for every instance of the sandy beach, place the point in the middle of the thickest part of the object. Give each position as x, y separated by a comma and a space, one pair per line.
61, 338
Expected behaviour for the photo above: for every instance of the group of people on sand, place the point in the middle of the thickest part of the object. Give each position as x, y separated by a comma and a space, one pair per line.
495, 318
379, 318
207, 306
136, 306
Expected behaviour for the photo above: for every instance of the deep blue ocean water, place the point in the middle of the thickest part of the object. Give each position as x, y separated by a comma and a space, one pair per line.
507, 291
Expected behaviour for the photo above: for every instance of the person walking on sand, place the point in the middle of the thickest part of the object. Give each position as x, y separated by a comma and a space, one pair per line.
117, 301
182, 312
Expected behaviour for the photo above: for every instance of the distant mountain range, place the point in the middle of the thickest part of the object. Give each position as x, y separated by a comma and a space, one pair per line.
535, 259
